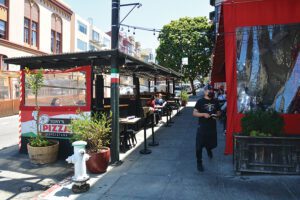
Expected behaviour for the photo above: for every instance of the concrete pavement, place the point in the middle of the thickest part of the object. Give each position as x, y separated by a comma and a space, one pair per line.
9, 133
170, 173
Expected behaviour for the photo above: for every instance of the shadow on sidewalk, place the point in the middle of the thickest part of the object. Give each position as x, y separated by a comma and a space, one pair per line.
17, 172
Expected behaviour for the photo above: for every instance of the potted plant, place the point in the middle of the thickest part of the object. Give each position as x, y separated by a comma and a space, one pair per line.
96, 131
40, 150
262, 146
184, 97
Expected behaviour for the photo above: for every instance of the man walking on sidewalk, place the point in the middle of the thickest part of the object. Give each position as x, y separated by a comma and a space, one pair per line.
207, 110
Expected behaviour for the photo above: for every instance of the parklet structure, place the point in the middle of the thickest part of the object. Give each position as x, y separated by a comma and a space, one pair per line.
257, 55
78, 81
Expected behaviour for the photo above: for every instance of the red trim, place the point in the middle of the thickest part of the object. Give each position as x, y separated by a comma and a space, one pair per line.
240, 13
114, 80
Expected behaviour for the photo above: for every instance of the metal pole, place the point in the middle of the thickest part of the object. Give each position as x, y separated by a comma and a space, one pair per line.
115, 143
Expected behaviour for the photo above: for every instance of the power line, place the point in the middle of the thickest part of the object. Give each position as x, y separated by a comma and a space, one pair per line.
141, 28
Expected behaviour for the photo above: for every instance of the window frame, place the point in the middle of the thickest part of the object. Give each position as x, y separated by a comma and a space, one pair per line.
36, 43
97, 34
56, 36
80, 24
83, 42
5, 30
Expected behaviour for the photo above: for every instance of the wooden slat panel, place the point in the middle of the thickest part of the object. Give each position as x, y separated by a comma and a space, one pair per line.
27, 9
35, 13
6, 108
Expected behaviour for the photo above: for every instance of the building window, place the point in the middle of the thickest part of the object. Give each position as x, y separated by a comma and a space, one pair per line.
2, 29
56, 34
82, 27
96, 36
34, 28
3, 2
92, 48
81, 45
31, 24
26, 30
58, 43
106, 42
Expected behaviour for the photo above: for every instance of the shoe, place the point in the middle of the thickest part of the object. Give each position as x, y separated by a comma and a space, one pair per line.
209, 154
200, 167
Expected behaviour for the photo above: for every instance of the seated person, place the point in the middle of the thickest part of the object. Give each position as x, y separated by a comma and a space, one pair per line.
151, 102
56, 102
159, 102
159, 105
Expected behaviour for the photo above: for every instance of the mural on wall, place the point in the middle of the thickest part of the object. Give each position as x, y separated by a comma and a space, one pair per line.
268, 68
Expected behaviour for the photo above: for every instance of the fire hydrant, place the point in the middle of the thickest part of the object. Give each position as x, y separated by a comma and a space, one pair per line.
79, 158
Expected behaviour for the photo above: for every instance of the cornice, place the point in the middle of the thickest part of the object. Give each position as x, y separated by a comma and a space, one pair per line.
16, 46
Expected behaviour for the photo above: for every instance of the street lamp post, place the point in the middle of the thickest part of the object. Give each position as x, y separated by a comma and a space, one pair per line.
115, 19
115, 25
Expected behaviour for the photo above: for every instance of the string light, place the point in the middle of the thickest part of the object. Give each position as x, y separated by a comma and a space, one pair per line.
134, 31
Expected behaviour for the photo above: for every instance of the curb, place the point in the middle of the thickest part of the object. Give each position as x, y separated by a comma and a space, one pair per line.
55, 187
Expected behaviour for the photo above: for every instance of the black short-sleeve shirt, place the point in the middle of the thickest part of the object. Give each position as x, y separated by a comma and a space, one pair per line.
207, 106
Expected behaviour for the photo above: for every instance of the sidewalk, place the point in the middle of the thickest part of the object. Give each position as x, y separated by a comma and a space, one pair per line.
17, 173
169, 172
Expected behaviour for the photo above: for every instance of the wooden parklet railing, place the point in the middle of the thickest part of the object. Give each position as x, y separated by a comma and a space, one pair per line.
9, 107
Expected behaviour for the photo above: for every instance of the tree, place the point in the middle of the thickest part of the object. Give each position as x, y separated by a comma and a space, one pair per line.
187, 37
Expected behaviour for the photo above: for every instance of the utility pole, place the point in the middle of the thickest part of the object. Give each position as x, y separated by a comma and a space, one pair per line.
115, 143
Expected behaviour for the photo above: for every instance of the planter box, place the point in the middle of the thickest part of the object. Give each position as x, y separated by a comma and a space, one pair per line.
276, 155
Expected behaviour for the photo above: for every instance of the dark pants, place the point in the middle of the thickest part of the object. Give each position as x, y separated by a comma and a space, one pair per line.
205, 138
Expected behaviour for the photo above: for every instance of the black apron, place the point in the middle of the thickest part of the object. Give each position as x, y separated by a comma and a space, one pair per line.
207, 136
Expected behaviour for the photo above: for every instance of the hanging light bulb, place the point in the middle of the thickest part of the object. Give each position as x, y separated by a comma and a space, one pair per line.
122, 29
134, 31
154, 32
128, 29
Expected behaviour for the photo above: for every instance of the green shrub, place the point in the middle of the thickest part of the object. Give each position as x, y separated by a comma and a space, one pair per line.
262, 123
40, 141
95, 130
184, 95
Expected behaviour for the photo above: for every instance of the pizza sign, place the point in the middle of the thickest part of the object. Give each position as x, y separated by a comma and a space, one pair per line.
55, 127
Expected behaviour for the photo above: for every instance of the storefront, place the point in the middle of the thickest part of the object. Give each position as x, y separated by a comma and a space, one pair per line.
257, 54
78, 82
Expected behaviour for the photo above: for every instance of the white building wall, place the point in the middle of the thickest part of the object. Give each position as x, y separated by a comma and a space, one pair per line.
16, 21
79, 35
45, 29
87, 38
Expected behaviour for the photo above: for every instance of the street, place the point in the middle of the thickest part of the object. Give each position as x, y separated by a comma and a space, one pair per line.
8, 131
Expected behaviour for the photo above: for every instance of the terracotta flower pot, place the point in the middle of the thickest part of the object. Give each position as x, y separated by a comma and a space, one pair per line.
183, 103
43, 155
98, 162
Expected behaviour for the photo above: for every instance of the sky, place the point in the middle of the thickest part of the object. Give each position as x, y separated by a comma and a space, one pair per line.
153, 14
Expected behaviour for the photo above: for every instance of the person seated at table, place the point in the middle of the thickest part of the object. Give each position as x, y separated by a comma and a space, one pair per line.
56, 102
159, 102
151, 102
159, 106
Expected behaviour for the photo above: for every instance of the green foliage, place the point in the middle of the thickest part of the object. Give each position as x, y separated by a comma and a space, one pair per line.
34, 81
39, 141
184, 96
186, 37
95, 130
262, 123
